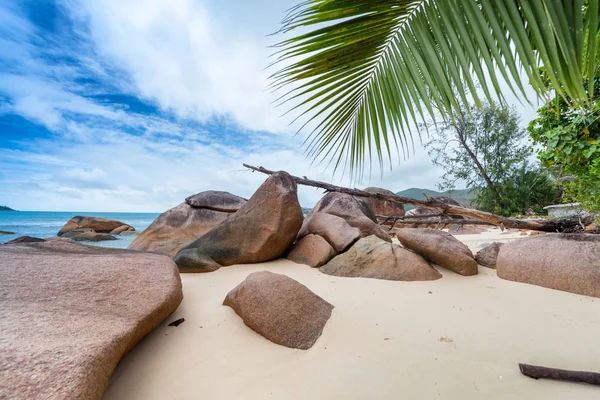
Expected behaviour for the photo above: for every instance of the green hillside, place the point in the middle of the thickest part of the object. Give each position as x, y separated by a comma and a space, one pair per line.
463, 196
4, 208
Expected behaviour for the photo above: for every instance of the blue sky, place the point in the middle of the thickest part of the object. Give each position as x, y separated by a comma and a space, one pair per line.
132, 105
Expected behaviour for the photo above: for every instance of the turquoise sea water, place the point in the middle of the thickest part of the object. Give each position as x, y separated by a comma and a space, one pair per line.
44, 224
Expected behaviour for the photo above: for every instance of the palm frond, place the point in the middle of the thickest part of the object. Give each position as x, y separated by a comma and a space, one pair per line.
367, 70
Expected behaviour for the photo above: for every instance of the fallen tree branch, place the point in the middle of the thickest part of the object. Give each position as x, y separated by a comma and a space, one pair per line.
546, 225
443, 221
405, 217
537, 372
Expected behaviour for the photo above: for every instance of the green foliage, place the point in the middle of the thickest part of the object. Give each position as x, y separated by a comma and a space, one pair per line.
526, 188
569, 141
487, 150
363, 72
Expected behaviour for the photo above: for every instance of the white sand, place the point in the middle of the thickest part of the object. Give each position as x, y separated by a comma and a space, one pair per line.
454, 338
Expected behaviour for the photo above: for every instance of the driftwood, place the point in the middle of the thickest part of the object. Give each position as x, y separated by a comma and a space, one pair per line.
545, 225
177, 322
537, 372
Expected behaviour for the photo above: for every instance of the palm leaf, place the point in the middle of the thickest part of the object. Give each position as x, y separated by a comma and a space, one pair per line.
364, 72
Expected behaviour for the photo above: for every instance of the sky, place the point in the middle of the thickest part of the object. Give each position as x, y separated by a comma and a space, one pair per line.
133, 105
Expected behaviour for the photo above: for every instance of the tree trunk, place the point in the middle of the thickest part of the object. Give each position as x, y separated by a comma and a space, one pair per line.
482, 172
547, 225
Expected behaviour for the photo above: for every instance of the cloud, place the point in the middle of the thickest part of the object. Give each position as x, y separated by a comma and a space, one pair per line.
91, 178
187, 60
145, 103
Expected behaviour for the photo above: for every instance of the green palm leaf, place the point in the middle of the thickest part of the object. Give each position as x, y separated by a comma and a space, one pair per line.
366, 70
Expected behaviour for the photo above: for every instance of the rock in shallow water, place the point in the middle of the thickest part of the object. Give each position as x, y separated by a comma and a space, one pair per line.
93, 237
100, 225
71, 312
25, 239
562, 261
262, 230
439, 247
280, 309
217, 201
371, 257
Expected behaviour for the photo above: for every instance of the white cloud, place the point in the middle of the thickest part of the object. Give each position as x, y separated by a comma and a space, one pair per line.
190, 62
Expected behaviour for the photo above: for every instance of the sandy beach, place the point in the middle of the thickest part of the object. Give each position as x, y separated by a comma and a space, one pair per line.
453, 338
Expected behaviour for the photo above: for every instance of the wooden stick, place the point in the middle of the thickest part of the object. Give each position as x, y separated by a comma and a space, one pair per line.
537, 372
546, 225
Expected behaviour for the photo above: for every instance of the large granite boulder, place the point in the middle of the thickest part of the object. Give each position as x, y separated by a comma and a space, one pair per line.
311, 250
488, 255
371, 257
357, 214
335, 230
439, 247
383, 207
562, 261
71, 312
262, 230
217, 201
87, 235
99, 225
179, 226
280, 309
341, 220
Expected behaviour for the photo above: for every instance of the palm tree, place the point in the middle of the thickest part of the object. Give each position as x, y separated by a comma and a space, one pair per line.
364, 72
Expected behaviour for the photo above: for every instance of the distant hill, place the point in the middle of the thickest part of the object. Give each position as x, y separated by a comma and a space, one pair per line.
463, 196
4, 208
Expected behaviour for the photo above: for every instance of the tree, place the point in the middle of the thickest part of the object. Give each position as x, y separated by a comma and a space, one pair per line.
569, 141
364, 71
487, 150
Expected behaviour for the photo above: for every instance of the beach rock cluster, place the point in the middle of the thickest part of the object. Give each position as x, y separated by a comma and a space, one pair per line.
188, 221
439, 247
340, 220
372, 257
261, 230
562, 261
93, 229
70, 312
280, 309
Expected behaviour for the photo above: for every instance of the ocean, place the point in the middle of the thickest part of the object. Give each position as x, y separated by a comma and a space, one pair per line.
43, 224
